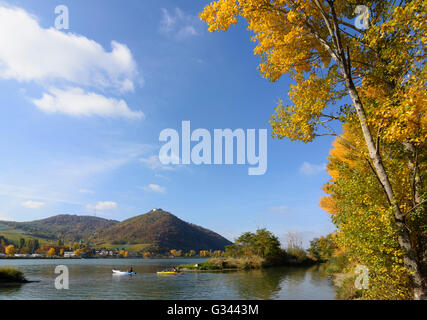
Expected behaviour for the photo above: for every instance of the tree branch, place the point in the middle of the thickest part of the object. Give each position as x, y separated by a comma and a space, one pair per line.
413, 208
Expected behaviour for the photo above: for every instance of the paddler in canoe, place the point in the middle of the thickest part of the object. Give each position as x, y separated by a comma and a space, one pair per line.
174, 270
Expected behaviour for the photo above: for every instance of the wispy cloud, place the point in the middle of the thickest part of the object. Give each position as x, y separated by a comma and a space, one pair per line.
110, 156
86, 191
77, 102
155, 188
55, 181
33, 204
282, 210
309, 169
179, 24
103, 205
25, 192
154, 163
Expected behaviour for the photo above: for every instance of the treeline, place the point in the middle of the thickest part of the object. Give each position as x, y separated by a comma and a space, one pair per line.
266, 246
28, 246
85, 249
257, 250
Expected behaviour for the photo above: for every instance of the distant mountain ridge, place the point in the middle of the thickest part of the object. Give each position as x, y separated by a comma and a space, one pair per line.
64, 226
157, 228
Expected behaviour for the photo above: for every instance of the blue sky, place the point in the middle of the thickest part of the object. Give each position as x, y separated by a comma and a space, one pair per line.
83, 109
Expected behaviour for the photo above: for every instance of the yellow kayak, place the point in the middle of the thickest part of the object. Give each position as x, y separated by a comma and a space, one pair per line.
168, 272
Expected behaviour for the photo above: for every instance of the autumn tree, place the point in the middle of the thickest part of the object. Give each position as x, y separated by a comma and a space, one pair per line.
124, 253
365, 221
204, 253
323, 248
51, 252
10, 250
262, 243
380, 70
217, 253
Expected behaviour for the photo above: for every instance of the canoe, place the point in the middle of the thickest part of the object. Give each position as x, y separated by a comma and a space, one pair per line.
168, 272
118, 272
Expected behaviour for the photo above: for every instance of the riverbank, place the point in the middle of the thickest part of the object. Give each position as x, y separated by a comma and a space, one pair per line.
343, 276
247, 263
101, 258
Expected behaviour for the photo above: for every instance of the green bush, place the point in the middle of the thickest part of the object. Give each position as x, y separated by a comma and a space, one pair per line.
297, 253
11, 275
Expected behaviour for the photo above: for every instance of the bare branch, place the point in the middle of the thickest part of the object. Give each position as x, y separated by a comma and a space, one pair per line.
413, 208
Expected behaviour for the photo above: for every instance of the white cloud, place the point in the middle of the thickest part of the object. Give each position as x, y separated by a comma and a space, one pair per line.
103, 205
76, 102
309, 169
32, 204
154, 163
181, 25
155, 188
29, 52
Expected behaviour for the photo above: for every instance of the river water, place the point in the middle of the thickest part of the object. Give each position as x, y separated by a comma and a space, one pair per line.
93, 279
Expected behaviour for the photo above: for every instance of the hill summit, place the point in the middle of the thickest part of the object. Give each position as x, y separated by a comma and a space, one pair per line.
165, 231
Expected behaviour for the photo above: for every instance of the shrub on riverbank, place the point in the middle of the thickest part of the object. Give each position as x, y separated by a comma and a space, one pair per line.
341, 269
227, 263
11, 275
254, 251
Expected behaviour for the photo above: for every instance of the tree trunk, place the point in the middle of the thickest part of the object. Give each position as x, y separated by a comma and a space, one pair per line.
419, 202
417, 184
336, 50
409, 259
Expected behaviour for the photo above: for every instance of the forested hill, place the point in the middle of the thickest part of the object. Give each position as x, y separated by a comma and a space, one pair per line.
165, 231
65, 227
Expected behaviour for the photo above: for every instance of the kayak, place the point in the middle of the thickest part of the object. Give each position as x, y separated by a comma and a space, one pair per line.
168, 272
123, 272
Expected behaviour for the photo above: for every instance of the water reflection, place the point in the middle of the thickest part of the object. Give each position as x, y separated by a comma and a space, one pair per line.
257, 284
93, 279
10, 289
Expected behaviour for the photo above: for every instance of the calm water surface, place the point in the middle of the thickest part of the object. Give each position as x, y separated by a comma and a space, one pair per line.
93, 279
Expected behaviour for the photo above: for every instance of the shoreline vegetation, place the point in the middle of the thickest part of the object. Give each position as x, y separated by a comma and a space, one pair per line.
11, 276
245, 263
257, 251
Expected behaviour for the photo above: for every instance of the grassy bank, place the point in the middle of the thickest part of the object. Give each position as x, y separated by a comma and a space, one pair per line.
224, 264
11, 275
247, 263
341, 270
